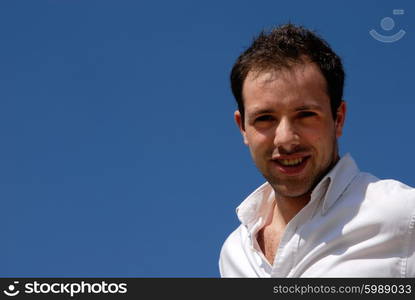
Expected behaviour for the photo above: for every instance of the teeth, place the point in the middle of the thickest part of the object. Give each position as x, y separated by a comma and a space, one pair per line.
290, 162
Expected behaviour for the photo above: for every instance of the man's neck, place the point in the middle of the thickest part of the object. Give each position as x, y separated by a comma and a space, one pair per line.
285, 208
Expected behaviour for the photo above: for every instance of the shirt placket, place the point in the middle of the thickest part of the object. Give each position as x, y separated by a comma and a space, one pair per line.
285, 254
285, 257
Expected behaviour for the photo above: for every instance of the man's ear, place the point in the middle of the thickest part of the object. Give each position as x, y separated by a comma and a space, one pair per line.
240, 123
340, 118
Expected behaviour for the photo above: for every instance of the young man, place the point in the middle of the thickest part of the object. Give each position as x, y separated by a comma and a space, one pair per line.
317, 215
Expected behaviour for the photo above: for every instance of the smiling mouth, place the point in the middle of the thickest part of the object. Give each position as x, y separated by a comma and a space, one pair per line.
291, 166
291, 162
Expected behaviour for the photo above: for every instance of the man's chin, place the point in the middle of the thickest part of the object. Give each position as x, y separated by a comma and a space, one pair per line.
291, 192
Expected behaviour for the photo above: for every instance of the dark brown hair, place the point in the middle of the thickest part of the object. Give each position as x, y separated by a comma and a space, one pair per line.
282, 47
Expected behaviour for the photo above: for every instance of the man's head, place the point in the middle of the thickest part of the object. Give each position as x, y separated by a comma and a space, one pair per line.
288, 86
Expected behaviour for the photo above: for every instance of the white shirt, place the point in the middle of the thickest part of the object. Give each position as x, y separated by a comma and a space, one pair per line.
355, 225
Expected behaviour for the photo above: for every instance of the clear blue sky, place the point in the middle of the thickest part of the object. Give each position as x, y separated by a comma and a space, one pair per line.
119, 156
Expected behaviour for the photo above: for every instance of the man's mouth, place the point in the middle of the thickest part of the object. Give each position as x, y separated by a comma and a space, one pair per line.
291, 166
290, 162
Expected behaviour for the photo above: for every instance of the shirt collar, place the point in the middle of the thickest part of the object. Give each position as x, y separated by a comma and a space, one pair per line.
332, 186
335, 183
255, 205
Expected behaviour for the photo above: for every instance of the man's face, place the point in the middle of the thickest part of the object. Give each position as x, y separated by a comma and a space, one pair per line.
289, 127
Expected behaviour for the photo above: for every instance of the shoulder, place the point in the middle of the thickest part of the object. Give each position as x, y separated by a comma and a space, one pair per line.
233, 260
383, 190
392, 192
386, 202
233, 244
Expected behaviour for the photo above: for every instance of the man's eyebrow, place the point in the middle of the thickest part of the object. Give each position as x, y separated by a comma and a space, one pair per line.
263, 111
308, 107
260, 111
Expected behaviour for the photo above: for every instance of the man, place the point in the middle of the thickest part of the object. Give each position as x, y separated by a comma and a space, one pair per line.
317, 215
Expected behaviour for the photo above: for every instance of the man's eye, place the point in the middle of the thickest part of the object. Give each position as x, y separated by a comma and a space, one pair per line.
305, 114
264, 118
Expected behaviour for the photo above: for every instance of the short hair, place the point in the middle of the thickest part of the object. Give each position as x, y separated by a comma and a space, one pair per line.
282, 47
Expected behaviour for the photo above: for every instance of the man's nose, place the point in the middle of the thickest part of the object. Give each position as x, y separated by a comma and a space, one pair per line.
286, 136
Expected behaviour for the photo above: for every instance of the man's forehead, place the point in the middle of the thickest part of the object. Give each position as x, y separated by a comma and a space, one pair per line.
301, 79
298, 71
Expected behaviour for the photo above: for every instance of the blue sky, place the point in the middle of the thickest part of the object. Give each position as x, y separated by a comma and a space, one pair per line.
119, 155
